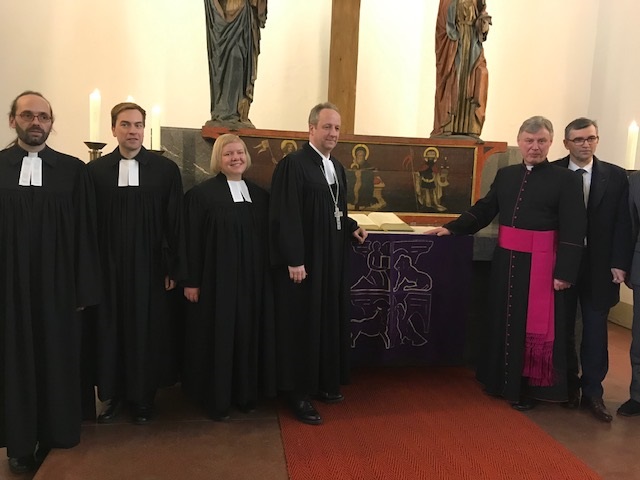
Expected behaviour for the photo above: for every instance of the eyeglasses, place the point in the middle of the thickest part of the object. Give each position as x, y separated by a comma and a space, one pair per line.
580, 140
29, 116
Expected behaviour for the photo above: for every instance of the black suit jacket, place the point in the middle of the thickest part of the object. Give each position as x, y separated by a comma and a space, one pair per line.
609, 242
634, 206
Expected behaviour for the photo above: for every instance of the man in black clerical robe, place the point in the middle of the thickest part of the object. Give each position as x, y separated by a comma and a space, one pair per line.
139, 200
48, 271
542, 223
310, 234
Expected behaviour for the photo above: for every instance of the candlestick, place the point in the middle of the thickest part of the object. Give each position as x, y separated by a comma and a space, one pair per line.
95, 150
94, 116
156, 143
632, 146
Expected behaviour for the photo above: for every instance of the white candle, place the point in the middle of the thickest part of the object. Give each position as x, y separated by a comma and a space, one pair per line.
632, 146
94, 116
156, 143
130, 99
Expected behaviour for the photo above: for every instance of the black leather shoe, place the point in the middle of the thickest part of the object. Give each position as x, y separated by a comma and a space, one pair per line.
327, 397
109, 415
525, 404
304, 411
630, 408
597, 408
573, 401
142, 414
21, 465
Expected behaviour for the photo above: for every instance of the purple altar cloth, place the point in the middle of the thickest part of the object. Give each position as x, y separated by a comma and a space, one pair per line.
410, 297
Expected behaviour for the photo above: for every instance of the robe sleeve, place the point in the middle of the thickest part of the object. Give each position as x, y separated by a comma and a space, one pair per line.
194, 219
572, 228
286, 214
175, 250
87, 260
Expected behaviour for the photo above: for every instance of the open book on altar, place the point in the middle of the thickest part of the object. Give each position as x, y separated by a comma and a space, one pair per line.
385, 221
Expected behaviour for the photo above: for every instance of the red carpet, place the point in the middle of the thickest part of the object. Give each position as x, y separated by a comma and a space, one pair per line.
423, 423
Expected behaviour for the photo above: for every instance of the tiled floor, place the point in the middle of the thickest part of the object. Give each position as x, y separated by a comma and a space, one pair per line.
182, 443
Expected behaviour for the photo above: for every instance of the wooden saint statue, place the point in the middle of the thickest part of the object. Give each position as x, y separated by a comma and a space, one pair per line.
461, 68
233, 45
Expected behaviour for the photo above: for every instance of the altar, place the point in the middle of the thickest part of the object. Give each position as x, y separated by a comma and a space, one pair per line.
410, 298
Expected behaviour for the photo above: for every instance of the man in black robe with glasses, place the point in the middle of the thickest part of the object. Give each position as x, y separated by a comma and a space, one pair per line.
48, 273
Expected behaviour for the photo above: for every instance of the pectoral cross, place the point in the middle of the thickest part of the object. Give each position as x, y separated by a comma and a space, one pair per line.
338, 214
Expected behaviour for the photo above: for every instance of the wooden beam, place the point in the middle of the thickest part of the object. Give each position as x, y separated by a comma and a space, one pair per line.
343, 59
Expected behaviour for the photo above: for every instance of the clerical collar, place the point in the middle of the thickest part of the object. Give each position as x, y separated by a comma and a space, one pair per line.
587, 168
128, 173
31, 170
239, 191
327, 166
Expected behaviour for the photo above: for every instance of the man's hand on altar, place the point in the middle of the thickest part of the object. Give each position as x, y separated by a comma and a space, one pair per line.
360, 234
438, 231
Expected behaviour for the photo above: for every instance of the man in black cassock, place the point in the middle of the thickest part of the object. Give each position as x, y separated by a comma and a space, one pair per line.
139, 201
310, 234
542, 219
48, 272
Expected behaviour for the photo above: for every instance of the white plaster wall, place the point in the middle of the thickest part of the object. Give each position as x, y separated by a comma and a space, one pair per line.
615, 79
616, 89
396, 78
156, 52
534, 66
540, 59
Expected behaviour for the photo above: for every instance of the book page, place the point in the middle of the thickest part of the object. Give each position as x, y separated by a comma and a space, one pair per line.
364, 221
384, 217
389, 221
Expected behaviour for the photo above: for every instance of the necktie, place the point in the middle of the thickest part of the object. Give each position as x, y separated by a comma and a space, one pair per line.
585, 193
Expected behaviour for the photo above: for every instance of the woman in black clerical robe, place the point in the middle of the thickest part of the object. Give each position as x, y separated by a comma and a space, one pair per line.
229, 354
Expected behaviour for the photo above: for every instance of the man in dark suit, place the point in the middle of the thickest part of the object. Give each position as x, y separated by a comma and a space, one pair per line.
605, 263
631, 407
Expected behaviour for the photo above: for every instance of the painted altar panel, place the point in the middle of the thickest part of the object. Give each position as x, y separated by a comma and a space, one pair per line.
423, 180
